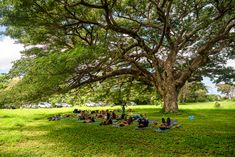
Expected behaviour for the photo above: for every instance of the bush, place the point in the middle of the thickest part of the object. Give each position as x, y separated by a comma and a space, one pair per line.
217, 105
214, 97
202, 99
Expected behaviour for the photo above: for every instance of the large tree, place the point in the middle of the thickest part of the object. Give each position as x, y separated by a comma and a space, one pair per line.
161, 42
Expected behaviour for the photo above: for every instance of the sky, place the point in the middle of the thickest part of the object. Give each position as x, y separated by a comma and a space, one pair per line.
10, 52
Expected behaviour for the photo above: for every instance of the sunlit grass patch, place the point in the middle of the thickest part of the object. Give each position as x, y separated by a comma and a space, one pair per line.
27, 132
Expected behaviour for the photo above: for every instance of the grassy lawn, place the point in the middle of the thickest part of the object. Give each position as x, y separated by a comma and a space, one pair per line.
27, 132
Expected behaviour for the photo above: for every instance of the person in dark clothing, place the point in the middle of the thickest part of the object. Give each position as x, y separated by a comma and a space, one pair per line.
165, 124
114, 116
123, 110
76, 111
108, 115
143, 123
168, 122
129, 120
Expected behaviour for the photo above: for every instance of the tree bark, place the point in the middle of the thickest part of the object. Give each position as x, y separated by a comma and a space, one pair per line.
170, 99
170, 95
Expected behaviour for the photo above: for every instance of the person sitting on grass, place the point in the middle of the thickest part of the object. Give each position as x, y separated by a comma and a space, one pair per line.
121, 117
89, 120
129, 120
122, 123
166, 124
125, 122
107, 122
82, 116
108, 115
54, 118
137, 117
76, 111
103, 112
93, 112
70, 115
99, 115
144, 122
113, 114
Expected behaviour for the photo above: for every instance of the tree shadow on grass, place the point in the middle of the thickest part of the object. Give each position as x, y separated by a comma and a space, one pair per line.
71, 138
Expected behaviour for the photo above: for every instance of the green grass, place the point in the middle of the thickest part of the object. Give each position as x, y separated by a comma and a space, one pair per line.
27, 132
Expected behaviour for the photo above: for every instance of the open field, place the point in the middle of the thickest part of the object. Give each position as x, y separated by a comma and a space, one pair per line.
27, 132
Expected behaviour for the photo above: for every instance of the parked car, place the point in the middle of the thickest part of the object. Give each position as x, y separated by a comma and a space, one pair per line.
90, 104
26, 105
131, 103
44, 105
93, 104
29, 106
100, 103
59, 105
34, 106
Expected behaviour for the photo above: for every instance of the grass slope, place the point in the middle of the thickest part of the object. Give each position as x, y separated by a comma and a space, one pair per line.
27, 132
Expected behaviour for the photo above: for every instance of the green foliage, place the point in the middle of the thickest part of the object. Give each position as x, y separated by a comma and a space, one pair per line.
214, 97
3, 81
116, 91
193, 92
78, 43
227, 89
217, 105
46, 75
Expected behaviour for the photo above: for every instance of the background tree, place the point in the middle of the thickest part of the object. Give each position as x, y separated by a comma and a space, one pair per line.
162, 43
193, 92
120, 91
227, 89
117, 91
3, 81
6, 85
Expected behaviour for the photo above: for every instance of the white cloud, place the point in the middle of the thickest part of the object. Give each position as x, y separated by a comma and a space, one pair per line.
212, 89
231, 63
9, 52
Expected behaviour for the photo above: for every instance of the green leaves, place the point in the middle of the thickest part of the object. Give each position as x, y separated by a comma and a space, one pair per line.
227, 89
79, 42
43, 74
3, 82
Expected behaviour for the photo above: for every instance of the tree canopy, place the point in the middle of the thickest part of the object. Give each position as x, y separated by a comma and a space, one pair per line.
227, 89
163, 43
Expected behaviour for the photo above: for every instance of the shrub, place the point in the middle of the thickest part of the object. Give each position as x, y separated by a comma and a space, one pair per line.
213, 97
217, 105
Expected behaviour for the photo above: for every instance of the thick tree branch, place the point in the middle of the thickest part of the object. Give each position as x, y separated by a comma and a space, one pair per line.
203, 52
79, 83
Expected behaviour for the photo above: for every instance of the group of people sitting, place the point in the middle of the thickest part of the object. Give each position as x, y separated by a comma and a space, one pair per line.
89, 116
110, 117
125, 120
166, 124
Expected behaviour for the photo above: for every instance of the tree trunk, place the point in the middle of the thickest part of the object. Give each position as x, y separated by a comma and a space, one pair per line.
170, 98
